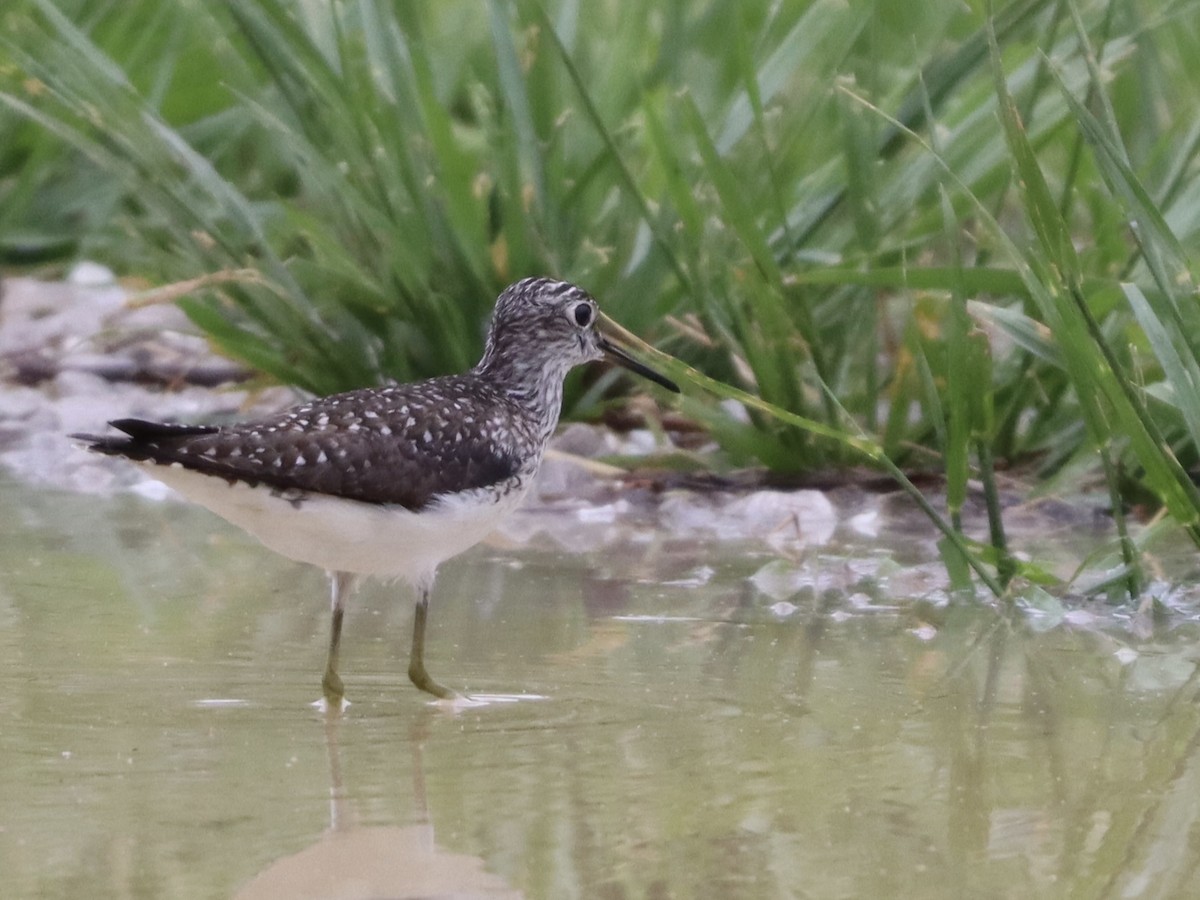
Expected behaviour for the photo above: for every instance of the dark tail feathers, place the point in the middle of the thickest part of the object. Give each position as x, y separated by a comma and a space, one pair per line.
141, 437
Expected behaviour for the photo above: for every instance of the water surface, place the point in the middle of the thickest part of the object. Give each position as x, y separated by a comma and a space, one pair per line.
697, 739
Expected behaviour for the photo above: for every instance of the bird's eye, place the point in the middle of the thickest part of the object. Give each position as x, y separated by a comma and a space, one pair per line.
582, 314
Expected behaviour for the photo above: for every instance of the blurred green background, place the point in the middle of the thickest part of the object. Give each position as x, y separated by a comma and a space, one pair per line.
942, 237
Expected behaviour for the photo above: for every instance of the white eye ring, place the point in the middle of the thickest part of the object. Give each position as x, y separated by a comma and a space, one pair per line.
582, 314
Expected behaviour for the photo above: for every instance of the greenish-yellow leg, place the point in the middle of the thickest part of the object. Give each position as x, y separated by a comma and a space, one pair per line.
416, 662
331, 685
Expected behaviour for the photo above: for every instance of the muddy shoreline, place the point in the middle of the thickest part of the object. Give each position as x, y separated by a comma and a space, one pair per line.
79, 352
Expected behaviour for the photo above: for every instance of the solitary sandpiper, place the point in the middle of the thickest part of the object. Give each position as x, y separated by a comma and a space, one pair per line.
392, 481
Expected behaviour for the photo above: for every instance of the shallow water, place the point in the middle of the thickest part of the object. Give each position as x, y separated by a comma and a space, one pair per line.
696, 738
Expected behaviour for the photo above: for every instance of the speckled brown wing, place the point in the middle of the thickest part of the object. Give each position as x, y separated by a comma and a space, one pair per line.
396, 445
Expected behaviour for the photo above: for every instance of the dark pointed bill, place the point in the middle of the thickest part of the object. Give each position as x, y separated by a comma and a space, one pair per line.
621, 358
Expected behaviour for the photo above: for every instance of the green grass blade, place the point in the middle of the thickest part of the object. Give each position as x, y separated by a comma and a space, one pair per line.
1181, 371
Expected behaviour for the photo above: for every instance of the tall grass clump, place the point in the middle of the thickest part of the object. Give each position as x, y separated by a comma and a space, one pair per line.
929, 236
382, 169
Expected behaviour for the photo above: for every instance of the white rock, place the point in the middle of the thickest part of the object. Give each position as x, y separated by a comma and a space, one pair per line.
780, 579
1126, 655
562, 476
91, 274
639, 442
736, 410
804, 518
867, 523
605, 514
859, 600
581, 439
18, 403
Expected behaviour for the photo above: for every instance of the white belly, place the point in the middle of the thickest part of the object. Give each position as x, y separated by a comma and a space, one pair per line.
348, 535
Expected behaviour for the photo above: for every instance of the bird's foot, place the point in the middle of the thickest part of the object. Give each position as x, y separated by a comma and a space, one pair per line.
333, 693
424, 681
